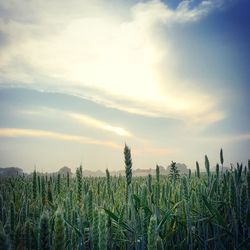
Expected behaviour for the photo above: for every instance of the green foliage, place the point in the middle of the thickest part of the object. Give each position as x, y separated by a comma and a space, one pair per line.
149, 183
43, 192
1, 207
50, 197
232, 193
90, 206
95, 232
152, 236
79, 184
128, 164
201, 211
217, 170
34, 184
128, 169
173, 173
221, 157
74, 240
185, 187
248, 183
4, 240
68, 182
39, 183
44, 240
59, 234
102, 231
108, 182
243, 205
12, 225
198, 169
27, 236
58, 184
158, 174
207, 165
12, 217
157, 196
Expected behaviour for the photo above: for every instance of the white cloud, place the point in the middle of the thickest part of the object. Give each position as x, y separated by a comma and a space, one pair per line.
18, 132
118, 50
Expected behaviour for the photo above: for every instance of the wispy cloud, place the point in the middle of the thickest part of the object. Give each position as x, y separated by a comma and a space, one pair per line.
186, 11
17, 132
87, 120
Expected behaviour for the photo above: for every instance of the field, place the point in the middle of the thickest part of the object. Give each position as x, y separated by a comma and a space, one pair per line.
198, 211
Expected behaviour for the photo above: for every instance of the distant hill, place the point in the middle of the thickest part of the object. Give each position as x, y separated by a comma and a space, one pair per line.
10, 172
97, 173
14, 172
62, 171
145, 172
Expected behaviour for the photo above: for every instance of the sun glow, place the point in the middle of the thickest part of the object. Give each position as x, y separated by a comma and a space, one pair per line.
125, 58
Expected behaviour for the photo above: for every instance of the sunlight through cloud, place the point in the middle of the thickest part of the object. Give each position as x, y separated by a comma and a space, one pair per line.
124, 53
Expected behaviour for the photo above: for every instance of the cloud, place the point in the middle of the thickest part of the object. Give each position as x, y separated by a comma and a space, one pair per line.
17, 132
99, 124
142, 146
118, 53
87, 120
186, 11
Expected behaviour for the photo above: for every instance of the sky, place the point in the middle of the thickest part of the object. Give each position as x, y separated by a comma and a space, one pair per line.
79, 79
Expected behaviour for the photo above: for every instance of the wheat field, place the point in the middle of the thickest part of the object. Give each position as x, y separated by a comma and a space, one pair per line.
201, 210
